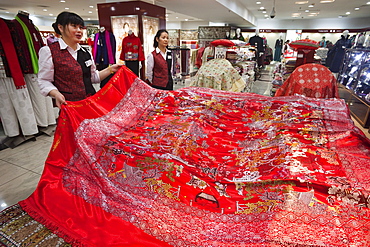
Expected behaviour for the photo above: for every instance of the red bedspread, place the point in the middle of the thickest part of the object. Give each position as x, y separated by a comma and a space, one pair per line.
137, 166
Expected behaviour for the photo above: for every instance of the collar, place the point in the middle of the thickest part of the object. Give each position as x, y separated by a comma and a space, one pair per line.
157, 50
63, 45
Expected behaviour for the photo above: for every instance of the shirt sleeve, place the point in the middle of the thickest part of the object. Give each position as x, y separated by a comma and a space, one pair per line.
95, 78
46, 71
149, 67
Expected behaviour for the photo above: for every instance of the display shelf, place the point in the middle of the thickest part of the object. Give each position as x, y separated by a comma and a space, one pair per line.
354, 81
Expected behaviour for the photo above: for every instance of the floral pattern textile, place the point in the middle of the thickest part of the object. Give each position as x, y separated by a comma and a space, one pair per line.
311, 80
218, 74
204, 167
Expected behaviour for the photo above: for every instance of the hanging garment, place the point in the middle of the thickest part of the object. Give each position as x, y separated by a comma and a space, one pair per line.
202, 167
16, 112
104, 48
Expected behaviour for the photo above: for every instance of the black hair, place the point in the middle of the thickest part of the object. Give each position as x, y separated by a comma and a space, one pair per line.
65, 18
159, 33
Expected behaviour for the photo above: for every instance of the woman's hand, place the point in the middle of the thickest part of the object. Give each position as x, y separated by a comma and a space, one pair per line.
109, 70
59, 98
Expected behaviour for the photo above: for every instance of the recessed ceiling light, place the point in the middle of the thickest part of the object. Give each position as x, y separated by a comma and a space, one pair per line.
357, 8
306, 11
112, 8
51, 14
301, 2
62, 1
262, 7
45, 10
311, 5
177, 17
348, 13
186, 19
264, 12
90, 12
91, 6
137, 8
66, 8
327, 1
258, 2
266, 15
368, 3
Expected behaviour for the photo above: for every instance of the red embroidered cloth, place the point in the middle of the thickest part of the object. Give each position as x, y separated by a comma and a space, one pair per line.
137, 166
311, 80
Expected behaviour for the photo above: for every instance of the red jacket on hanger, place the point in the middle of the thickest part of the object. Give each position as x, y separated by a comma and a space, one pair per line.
132, 49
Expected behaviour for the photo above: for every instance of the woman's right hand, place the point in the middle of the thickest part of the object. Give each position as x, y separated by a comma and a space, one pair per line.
59, 98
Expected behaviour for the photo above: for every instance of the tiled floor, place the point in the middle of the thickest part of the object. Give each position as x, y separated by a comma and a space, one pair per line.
21, 167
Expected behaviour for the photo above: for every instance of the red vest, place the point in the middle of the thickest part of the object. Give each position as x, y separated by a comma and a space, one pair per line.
68, 76
160, 70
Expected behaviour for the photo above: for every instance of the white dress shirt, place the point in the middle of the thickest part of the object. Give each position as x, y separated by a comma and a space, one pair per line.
46, 67
150, 63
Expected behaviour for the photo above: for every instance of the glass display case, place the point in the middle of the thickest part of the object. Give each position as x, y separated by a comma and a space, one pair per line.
354, 80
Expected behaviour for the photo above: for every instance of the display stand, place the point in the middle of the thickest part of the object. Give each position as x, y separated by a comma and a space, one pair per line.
355, 84
150, 18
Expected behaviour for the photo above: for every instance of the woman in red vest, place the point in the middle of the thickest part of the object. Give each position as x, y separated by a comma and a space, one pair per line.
67, 70
159, 63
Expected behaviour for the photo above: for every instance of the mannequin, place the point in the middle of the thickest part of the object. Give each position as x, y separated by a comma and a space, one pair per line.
278, 48
227, 35
132, 52
238, 35
104, 51
337, 52
257, 42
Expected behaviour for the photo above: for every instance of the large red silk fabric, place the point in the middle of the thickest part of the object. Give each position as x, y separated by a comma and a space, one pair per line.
138, 166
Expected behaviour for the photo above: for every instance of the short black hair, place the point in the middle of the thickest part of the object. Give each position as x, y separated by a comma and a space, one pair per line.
159, 33
65, 18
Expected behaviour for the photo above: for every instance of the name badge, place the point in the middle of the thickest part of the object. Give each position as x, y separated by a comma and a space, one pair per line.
88, 63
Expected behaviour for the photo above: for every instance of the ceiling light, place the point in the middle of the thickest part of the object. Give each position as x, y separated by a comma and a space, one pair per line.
66, 8
306, 11
88, 18
262, 7
311, 5
137, 8
186, 19
91, 6
62, 1
348, 13
264, 12
112, 8
258, 2
266, 15
327, 1
177, 17
44, 10
357, 8
368, 3
51, 14
90, 12
301, 2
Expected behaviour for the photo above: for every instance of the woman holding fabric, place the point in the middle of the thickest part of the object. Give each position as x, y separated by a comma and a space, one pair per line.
159, 63
66, 70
